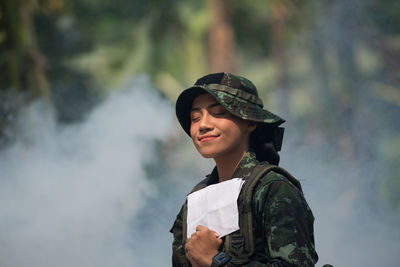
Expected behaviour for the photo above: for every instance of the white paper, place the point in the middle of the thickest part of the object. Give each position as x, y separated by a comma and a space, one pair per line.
215, 207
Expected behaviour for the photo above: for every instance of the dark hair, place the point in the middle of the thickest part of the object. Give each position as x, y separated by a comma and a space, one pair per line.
266, 141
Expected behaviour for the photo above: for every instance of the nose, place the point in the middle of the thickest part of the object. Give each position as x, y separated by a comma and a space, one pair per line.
205, 124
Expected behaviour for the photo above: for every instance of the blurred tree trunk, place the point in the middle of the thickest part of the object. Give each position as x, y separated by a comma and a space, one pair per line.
221, 38
322, 120
27, 66
358, 139
351, 98
280, 15
23, 67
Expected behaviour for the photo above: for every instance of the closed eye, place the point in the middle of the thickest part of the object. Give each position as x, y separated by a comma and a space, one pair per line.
194, 119
195, 116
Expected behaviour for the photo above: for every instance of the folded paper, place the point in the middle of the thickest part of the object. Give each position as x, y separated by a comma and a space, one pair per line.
215, 207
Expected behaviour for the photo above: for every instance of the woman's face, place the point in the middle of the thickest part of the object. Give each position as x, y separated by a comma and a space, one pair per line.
216, 132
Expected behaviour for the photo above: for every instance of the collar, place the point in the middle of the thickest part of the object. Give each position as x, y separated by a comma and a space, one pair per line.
243, 170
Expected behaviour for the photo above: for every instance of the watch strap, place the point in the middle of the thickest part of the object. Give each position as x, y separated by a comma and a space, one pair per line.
220, 260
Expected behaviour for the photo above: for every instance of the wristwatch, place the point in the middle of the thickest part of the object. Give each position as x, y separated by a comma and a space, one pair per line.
220, 260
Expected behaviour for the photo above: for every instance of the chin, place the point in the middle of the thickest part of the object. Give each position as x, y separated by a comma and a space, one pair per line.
207, 156
207, 153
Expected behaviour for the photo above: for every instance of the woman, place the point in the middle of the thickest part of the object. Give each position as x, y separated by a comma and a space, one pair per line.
223, 115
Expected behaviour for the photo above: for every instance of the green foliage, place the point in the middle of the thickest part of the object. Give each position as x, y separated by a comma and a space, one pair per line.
385, 15
252, 28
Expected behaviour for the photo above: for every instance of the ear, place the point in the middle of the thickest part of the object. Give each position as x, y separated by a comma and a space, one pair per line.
251, 125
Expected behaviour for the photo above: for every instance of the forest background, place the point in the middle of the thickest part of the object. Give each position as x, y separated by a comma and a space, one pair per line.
330, 68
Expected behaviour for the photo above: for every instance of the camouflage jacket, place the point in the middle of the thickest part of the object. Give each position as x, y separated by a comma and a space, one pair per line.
283, 223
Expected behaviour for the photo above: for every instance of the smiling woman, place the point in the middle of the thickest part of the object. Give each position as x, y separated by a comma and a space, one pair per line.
225, 118
218, 134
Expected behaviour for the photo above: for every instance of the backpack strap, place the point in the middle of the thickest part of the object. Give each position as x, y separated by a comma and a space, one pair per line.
240, 244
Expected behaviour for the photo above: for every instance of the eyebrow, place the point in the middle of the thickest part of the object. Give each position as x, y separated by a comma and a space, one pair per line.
210, 106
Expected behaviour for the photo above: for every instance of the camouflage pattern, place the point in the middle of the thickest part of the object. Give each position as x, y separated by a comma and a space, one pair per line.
283, 227
236, 94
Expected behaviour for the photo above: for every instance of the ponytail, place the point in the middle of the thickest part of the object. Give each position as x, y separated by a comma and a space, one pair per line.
266, 141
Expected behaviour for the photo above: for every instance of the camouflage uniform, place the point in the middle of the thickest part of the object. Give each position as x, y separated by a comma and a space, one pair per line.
283, 227
283, 222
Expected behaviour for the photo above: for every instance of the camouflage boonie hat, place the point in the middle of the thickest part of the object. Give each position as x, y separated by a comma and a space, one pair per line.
236, 94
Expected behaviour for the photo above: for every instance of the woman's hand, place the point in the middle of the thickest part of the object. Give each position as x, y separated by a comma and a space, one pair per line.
202, 246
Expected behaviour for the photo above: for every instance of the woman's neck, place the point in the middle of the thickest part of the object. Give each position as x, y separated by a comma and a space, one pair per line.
227, 165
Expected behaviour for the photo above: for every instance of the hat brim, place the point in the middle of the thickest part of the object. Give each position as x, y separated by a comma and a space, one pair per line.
232, 104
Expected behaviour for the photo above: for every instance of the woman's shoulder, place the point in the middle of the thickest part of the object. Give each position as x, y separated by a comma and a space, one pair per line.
277, 182
275, 194
274, 176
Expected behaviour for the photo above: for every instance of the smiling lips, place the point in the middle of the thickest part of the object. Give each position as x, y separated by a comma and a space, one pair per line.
204, 138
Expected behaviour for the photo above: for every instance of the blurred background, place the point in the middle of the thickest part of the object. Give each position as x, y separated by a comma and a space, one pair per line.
94, 166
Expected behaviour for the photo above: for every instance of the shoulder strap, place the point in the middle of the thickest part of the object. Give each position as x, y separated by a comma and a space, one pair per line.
240, 244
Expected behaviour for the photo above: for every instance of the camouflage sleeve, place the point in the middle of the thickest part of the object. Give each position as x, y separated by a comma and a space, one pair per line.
284, 222
178, 249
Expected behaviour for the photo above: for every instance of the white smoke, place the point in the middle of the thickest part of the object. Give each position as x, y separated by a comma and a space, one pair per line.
348, 231
68, 194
